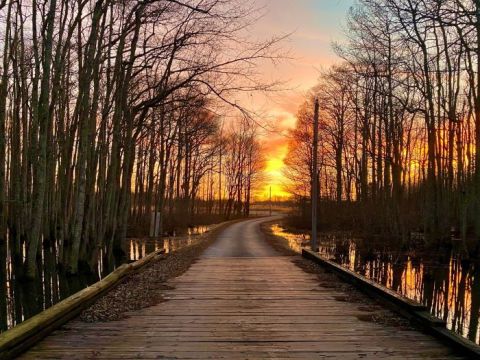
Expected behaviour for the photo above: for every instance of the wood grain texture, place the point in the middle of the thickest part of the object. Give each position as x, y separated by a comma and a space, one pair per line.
27, 333
227, 307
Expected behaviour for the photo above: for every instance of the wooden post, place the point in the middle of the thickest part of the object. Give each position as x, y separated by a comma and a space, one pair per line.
270, 200
314, 182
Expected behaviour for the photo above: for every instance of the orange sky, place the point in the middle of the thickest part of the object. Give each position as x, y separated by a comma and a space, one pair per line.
314, 25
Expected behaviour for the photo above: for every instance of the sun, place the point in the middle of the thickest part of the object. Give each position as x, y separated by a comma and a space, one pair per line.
274, 178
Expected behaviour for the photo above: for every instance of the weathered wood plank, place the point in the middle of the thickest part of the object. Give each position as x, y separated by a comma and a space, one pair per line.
202, 319
243, 308
19, 338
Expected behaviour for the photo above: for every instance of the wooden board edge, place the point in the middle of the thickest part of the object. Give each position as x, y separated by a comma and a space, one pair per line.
24, 335
400, 305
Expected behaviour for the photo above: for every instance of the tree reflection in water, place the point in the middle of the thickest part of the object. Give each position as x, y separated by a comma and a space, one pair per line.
446, 283
21, 300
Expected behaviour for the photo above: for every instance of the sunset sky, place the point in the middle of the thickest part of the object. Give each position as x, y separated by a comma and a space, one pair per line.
314, 25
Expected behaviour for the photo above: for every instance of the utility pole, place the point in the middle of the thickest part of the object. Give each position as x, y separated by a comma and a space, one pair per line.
270, 200
314, 182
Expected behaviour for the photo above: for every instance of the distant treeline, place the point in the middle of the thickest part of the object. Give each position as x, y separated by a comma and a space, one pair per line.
399, 122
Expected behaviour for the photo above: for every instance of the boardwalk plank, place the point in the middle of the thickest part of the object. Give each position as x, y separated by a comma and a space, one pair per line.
238, 307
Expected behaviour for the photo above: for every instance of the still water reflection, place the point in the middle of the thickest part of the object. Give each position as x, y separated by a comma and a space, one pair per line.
139, 247
20, 300
446, 282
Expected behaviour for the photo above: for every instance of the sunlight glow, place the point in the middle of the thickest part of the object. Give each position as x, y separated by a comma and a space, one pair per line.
274, 178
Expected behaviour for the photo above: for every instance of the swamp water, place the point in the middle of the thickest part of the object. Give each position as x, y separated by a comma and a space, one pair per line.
447, 283
22, 300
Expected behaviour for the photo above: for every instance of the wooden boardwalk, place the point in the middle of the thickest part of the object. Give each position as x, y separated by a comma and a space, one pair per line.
233, 306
